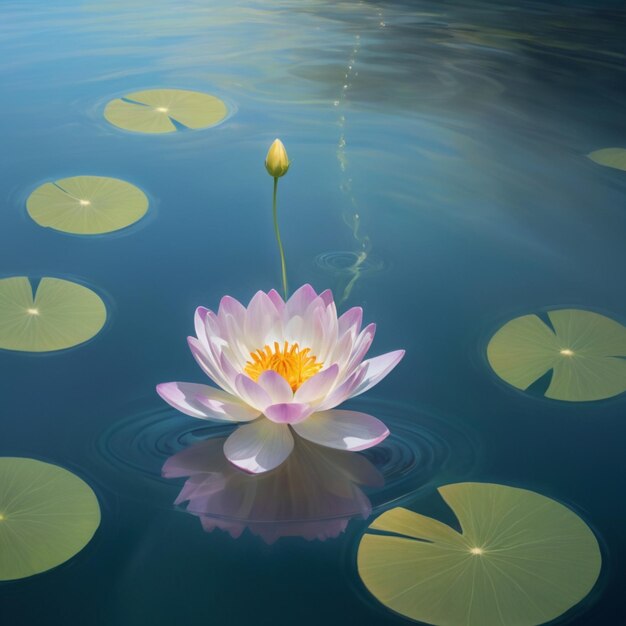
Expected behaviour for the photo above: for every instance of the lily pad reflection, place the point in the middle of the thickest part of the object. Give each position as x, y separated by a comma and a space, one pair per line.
313, 494
610, 157
585, 351
87, 205
47, 515
155, 110
60, 314
520, 558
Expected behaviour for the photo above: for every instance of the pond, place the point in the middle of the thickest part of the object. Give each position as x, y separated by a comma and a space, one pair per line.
448, 173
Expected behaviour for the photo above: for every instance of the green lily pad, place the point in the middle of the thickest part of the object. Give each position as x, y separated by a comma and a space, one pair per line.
520, 559
610, 157
47, 515
60, 314
87, 205
586, 353
152, 111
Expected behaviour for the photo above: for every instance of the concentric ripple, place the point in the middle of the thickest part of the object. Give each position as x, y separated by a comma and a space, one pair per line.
346, 263
422, 450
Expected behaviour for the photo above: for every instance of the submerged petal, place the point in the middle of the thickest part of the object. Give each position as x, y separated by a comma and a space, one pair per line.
205, 402
259, 446
343, 430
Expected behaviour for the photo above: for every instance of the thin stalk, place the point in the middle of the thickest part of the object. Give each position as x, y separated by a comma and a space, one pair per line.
283, 265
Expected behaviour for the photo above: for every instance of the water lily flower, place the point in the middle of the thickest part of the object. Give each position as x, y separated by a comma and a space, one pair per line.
277, 161
281, 366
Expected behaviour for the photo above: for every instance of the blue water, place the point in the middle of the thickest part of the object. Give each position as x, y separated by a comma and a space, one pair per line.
439, 180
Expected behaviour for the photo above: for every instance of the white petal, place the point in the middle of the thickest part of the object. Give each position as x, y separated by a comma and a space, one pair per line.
343, 430
344, 391
207, 364
259, 446
205, 402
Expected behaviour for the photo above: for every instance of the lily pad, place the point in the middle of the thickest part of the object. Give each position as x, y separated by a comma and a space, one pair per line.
60, 314
156, 110
585, 351
87, 205
47, 515
520, 559
610, 157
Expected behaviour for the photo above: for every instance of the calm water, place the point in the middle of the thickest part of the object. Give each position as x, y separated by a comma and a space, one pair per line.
439, 180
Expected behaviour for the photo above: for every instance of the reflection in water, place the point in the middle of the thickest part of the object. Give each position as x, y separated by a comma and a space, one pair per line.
313, 495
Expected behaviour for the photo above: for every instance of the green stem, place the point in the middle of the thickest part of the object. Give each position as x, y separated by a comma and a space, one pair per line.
283, 265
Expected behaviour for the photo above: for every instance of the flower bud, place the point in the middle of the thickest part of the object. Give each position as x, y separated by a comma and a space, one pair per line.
277, 161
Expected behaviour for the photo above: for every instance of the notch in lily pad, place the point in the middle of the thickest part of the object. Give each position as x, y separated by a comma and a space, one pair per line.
520, 558
58, 314
585, 351
610, 157
47, 515
157, 111
87, 205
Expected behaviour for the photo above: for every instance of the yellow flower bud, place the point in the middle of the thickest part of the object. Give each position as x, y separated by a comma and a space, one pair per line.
277, 161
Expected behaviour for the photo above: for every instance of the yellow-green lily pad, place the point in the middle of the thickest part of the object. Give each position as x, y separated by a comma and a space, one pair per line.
586, 353
610, 157
520, 559
87, 205
47, 515
60, 314
155, 110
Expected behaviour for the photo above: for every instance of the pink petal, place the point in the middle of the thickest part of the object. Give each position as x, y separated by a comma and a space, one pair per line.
317, 387
287, 412
300, 301
198, 319
230, 306
276, 386
277, 300
251, 392
327, 297
205, 402
262, 323
361, 346
352, 318
259, 446
377, 369
343, 430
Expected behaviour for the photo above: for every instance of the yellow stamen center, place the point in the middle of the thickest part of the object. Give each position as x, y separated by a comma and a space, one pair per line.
293, 364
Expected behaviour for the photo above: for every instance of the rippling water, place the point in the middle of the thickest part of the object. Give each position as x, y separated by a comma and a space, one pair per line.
439, 180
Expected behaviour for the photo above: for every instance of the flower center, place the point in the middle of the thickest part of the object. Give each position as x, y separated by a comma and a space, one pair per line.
293, 364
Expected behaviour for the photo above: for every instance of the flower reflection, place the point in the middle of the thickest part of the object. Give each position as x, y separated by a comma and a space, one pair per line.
313, 495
